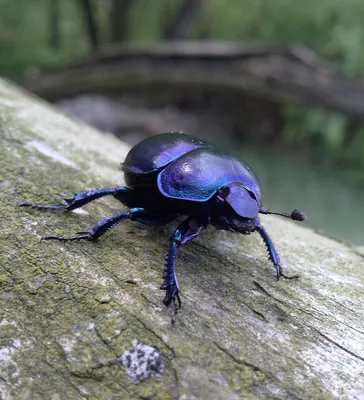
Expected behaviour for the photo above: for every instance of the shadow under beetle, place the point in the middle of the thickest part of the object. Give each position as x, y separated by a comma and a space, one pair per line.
174, 174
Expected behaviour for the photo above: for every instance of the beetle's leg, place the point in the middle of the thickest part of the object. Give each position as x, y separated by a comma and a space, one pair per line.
121, 193
188, 230
102, 226
134, 214
273, 255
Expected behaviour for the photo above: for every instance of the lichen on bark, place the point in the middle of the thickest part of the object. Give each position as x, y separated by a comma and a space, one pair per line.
70, 310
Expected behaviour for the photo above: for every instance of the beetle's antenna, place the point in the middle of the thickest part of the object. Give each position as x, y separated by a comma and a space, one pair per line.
296, 215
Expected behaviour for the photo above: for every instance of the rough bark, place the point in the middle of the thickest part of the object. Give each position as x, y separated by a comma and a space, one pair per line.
69, 310
289, 75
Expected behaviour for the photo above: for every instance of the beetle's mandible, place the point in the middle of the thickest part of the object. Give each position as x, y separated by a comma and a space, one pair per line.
172, 175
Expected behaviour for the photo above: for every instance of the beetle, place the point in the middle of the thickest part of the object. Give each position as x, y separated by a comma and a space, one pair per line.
175, 174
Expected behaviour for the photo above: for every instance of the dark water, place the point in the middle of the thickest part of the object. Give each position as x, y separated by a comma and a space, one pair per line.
331, 204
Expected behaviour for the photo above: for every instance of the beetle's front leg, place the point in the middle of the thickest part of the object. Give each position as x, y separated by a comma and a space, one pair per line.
121, 193
188, 230
273, 255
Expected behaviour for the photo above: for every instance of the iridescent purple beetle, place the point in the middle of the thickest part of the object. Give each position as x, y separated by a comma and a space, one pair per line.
174, 174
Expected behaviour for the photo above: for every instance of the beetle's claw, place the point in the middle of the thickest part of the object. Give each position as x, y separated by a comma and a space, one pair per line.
290, 276
43, 206
172, 296
281, 274
176, 307
68, 239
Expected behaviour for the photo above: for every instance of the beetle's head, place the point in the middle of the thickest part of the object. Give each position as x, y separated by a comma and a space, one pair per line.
240, 199
243, 208
237, 208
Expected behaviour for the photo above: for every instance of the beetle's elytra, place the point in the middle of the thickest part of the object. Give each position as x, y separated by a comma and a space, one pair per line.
174, 174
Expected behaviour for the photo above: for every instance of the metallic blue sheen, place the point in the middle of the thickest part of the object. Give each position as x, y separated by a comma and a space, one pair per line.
198, 175
158, 151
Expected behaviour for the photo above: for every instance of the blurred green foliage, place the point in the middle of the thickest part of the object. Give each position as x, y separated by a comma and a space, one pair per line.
331, 27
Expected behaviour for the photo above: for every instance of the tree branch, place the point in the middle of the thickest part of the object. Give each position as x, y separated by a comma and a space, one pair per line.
287, 75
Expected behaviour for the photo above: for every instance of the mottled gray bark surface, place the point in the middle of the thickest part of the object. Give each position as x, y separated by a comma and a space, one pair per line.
69, 310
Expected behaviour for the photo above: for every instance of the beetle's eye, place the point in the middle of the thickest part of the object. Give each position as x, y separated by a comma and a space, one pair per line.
224, 192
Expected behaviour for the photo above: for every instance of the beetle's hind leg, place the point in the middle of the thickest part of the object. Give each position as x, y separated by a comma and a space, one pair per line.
102, 226
121, 193
137, 214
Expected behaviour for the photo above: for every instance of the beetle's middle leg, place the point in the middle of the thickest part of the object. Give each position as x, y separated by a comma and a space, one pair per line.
121, 193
